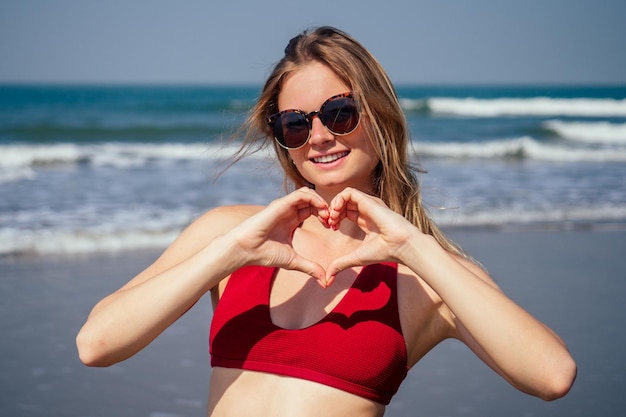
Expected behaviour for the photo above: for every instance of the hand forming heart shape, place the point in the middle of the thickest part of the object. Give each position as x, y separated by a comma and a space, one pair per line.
266, 237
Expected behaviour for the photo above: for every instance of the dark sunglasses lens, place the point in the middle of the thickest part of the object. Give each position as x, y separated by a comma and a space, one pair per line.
291, 129
340, 115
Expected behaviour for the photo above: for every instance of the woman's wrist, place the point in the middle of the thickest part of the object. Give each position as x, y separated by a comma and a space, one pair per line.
222, 257
231, 252
416, 249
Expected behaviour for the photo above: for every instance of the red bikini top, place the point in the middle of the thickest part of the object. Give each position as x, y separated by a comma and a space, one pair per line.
358, 347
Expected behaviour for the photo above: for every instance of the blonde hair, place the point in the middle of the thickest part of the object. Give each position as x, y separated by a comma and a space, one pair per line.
394, 178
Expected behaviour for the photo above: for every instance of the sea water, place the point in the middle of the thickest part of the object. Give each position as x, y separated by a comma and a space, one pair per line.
109, 168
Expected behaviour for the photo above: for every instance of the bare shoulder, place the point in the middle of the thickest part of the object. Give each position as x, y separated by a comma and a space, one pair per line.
222, 219
207, 227
196, 236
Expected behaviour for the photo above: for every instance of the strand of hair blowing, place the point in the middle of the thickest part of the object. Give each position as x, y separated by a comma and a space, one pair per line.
394, 179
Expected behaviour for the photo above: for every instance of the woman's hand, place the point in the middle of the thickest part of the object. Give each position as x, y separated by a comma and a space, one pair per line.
386, 232
266, 237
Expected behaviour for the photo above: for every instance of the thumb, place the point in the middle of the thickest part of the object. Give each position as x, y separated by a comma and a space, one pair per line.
310, 268
340, 264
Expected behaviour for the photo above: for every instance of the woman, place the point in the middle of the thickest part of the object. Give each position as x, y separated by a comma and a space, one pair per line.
326, 297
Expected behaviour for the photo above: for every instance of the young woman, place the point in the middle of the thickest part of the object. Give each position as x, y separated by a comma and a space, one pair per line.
326, 297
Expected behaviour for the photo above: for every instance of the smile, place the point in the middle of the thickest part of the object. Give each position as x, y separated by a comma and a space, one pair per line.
325, 159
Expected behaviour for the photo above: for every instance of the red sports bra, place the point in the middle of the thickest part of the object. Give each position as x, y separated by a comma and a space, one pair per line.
358, 347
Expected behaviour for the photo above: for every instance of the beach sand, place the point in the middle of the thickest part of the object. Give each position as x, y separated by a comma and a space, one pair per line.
575, 281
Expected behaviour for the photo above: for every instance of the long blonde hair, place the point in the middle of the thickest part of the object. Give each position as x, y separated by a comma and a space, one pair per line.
394, 178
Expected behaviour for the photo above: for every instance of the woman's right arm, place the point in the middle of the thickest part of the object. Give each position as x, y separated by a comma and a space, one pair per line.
126, 321
209, 250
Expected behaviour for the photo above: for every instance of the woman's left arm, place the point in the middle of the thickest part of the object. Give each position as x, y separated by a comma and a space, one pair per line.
519, 347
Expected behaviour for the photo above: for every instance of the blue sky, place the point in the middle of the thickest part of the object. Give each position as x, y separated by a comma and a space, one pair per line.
230, 41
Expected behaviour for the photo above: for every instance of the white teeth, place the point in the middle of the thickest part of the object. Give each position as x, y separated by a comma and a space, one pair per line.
329, 158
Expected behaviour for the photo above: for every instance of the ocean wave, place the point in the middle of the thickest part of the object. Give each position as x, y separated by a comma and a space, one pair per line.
136, 231
589, 132
87, 229
414, 105
17, 161
537, 106
520, 148
56, 242
22, 161
510, 216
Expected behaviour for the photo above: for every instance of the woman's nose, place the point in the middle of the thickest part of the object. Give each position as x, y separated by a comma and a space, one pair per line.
320, 133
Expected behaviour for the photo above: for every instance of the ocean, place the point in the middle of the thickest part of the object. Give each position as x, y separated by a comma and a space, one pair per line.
87, 169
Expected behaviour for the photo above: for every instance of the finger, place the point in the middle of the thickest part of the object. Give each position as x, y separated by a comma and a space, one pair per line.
308, 198
310, 195
310, 268
304, 213
345, 201
305, 208
297, 207
347, 210
337, 211
358, 207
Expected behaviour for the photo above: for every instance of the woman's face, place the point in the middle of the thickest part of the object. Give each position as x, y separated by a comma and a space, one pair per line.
326, 160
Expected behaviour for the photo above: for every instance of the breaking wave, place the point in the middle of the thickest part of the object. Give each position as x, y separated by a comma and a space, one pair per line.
19, 161
520, 148
537, 106
589, 132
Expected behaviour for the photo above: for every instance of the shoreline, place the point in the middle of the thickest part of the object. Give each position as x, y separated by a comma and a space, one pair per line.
608, 226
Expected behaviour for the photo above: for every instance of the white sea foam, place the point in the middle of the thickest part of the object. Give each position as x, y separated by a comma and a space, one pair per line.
132, 233
537, 106
17, 161
16, 174
32, 242
590, 132
87, 229
21, 162
524, 147
413, 104
598, 214
19, 156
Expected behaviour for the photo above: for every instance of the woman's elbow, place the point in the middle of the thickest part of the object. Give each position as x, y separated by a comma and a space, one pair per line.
560, 380
91, 350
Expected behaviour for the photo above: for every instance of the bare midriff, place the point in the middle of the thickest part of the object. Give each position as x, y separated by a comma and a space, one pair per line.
241, 393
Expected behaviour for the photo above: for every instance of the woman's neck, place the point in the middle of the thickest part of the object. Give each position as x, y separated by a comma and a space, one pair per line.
347, 231
329, 193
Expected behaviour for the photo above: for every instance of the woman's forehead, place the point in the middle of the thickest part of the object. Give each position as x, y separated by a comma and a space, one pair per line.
309, 86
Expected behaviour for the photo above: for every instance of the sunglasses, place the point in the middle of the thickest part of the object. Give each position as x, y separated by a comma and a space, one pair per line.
292, 128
